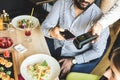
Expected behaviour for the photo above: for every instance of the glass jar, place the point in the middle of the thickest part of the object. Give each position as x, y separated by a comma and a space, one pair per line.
5, 17
6, 42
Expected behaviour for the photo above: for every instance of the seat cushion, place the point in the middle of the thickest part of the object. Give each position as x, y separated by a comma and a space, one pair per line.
81, 76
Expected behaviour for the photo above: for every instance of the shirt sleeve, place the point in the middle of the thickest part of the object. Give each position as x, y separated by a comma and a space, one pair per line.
111, 16
52, 19
97, 49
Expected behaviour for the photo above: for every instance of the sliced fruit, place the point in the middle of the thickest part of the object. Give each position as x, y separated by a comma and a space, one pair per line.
6, 54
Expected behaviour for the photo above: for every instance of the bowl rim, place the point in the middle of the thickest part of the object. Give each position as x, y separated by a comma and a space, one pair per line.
22, 16
9, 46
38, 55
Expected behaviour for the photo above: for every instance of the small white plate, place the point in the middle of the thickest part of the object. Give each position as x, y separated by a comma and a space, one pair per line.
15, 20
37, 58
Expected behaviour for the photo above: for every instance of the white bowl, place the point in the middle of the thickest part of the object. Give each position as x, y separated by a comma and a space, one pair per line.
15, 20
37, 58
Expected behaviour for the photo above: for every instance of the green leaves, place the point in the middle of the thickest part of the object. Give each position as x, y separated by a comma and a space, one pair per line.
44, 63
1, 69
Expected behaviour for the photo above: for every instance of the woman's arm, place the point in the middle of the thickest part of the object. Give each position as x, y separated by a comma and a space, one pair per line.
111, 16
107, 19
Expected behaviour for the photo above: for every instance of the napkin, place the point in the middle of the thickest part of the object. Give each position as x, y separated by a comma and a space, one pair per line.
20, 77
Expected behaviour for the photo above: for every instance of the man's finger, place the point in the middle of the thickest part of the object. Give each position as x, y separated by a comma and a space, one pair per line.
61, 29
62, 60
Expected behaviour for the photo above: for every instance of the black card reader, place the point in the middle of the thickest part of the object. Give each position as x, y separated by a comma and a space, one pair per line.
83, 39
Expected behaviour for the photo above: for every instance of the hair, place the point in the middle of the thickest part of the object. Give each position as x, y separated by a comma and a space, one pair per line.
116, 58
76, 2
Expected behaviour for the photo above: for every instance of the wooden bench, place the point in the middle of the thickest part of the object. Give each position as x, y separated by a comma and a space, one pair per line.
104, 63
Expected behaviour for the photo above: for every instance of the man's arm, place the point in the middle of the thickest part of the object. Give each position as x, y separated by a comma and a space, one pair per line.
52, 19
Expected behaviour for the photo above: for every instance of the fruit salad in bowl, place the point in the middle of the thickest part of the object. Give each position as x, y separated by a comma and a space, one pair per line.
25, 23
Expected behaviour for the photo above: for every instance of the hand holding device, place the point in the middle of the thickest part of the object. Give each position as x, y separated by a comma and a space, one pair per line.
67, 34
84, 39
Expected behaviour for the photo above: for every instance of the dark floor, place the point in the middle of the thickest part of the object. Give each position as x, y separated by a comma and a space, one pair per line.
22, 7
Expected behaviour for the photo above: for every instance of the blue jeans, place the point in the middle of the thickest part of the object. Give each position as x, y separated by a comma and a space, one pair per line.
85, 67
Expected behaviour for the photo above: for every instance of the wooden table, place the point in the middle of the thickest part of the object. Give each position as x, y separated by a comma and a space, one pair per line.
38, 45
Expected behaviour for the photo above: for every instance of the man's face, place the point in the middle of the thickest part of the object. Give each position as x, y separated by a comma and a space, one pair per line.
83, 4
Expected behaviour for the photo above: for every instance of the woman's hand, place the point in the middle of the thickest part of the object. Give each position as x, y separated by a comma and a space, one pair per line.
96, 30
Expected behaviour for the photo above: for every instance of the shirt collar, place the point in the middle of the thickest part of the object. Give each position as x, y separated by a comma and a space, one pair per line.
87, 10
72, 10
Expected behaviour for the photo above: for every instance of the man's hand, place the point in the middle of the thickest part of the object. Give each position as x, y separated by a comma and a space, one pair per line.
55, 33
96, 30
66, 66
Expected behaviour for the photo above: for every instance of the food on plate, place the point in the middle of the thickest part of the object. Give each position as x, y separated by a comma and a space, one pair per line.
5, 42
4, 76
5, 62
2, 69
39, 71
24, 23
6, 54
6, 67
8, 64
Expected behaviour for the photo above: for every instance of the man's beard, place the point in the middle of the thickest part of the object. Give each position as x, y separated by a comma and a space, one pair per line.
78, 3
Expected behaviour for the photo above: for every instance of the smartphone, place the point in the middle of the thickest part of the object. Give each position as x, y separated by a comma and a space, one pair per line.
67, 34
